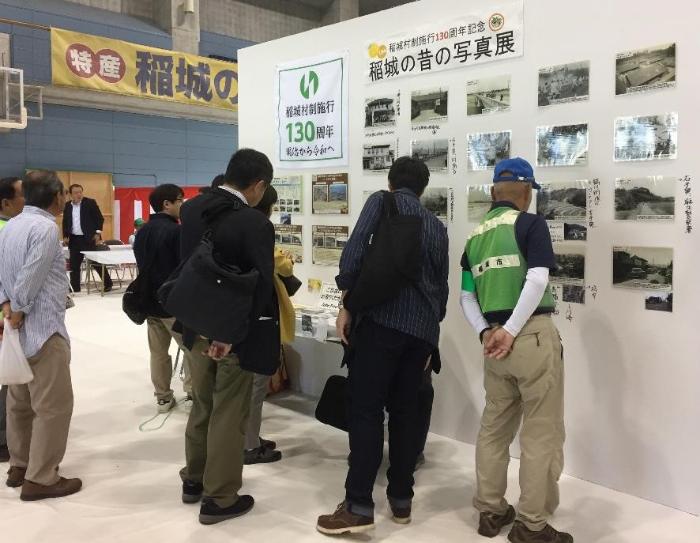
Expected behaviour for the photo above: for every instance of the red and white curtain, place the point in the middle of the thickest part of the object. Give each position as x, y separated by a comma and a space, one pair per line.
131, 203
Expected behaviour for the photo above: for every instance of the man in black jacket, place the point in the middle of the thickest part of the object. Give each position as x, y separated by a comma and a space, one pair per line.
82, 229
221, 390
157, 251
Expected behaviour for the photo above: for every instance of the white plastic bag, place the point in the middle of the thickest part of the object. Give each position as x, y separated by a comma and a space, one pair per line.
14, 368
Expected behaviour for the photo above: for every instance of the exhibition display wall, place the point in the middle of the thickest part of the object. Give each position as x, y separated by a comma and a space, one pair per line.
602, 103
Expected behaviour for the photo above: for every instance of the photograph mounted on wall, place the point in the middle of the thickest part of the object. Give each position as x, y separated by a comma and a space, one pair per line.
486, 149
650, 137
563, 83
381, 112
645, 69
289, 194
650, 199
289, 239
565, 145
488, 95
330, 194
378, 157
437, 201
478, 202
571, 265
645, 268
563, 206
659, 301
432, 152
573, 294
429, 106
328, 244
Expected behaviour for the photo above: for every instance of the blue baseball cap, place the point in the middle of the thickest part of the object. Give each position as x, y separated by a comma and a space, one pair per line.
519, 169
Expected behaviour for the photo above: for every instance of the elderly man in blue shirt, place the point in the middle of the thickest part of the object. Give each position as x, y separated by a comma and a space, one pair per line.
33, 290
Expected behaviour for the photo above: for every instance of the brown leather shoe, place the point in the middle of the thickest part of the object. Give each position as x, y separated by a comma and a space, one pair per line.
521, 534
491, 524
15, 476
344, 522
64, 487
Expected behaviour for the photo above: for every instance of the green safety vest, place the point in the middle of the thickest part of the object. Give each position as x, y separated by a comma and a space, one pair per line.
498, 267
3, 222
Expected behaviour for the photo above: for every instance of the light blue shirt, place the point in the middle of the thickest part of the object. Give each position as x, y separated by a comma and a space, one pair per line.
33, 276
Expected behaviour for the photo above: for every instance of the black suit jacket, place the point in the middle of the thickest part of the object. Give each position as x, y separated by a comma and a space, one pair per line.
91, 218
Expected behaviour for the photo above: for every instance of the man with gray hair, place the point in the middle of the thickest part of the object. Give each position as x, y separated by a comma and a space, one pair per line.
33, 290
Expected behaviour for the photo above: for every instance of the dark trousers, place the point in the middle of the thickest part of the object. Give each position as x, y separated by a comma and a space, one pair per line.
3, 416
426, 394
76, 244
387, 369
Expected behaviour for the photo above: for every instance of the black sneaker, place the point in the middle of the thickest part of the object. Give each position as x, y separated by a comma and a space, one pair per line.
261, 455
210, 513
400, 515
191, 492
519, 533
491, 524
267, 444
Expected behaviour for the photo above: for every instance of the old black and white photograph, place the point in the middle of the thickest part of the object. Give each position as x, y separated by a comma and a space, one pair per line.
488, 95
645, 69
378, 157
575, 231
659, 301
651, 198
486, 149
436, 200
573, 294
428, 106
565, 145
432, 152
380, 112
650, 137
478, 202
571, 265
645, 268
563, 83
562, 201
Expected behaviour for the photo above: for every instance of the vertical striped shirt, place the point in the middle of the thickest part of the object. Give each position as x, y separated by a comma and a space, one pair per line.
419, 309
33, 276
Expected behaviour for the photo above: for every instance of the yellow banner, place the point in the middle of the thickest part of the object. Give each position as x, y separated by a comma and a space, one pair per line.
104, 64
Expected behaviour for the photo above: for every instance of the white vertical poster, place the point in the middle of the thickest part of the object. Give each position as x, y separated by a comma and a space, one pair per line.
311, 96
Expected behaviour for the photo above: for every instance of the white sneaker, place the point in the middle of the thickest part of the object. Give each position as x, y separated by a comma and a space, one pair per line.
166, 405
187, 403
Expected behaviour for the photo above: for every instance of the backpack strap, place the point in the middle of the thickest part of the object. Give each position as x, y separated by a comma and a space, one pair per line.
389, 204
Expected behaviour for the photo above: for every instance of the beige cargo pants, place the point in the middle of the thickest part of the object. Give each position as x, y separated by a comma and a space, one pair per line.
527, 385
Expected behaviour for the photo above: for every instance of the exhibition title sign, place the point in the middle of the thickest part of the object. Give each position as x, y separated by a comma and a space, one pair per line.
103, 64
494, 33
311, 98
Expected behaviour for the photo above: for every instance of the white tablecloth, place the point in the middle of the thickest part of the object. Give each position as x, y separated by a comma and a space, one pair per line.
111, 258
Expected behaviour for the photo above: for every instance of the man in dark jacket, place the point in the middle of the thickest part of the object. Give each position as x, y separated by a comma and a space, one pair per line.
157, 251
221, 390
82, 229
391, 347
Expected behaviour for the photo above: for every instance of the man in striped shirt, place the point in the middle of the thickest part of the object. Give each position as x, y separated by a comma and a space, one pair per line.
11, 205
33, 290
391, 349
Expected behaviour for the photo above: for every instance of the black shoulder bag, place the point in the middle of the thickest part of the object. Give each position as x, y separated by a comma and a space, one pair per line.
392, 259
208, 297
135, 299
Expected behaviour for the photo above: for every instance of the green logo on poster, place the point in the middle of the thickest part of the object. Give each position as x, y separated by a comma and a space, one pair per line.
310, 87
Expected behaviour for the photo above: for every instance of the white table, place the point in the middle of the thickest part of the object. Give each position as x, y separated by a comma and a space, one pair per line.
124, 255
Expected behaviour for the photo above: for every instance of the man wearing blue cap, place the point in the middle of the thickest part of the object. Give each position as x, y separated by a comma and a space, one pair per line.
507, 300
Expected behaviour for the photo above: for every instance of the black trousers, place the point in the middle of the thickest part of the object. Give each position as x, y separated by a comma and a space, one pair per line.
387, 369
426, 394
76, 244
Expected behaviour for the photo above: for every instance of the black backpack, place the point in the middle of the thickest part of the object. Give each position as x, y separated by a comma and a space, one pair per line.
392, 261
